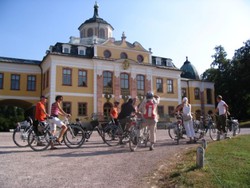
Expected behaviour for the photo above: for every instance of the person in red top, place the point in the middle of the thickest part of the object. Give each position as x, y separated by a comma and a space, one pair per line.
114, 111
41, 113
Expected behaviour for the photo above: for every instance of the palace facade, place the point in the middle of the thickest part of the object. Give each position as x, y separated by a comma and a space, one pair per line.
94, 70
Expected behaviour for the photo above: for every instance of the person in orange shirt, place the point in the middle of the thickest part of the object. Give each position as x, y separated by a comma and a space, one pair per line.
41, 113
114, 112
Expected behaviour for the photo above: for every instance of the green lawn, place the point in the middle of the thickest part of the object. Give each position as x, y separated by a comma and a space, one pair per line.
227, 164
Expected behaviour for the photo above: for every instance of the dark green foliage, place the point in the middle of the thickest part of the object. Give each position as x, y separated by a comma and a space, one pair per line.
231, 78
9, 116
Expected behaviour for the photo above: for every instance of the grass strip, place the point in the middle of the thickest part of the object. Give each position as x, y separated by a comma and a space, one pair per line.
227, 164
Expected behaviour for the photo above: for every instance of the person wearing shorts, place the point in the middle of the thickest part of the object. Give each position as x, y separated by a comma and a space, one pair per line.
57, 110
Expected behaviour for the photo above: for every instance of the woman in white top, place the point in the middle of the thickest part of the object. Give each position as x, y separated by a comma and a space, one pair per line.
187, 119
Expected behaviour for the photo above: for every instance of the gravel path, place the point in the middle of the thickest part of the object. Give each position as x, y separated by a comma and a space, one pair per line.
94, 165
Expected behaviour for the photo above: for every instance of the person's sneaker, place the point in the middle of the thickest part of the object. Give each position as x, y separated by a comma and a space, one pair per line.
40, 144
151, 148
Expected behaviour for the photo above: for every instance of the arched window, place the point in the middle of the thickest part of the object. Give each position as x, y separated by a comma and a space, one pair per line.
90, 32
124, 78
102, 33
107, 79
140, 82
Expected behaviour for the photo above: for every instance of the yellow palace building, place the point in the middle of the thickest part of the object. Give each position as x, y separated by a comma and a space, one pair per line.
94, 70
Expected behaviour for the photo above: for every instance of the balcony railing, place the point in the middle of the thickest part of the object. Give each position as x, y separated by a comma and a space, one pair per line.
125, 92
140, 92
108, 90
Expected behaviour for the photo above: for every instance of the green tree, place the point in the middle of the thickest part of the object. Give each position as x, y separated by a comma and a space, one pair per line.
241, 73
218, 73
231, 78
9, 116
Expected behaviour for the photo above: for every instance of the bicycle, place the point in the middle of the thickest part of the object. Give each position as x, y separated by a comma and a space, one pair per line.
199, 127
90, 126
139, 135
21, 132
178, 130
40, 138
232, 128
113, 134
234, 125
210, 127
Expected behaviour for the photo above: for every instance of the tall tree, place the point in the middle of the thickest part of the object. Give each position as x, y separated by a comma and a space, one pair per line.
231, 78
241, 72
218, 73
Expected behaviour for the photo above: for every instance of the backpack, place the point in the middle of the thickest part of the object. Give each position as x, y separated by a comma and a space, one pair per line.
149, 112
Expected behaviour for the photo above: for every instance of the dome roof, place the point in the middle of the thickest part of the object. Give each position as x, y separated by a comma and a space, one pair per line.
96, 18
189, 71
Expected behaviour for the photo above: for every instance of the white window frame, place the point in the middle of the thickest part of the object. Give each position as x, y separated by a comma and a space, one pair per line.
81, 49
66, 48
158, 61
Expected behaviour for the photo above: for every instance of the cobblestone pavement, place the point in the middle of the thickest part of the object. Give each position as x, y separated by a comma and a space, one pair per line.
94, 165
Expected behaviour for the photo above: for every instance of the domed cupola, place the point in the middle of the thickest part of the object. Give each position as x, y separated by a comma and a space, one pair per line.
95, 29
189, 71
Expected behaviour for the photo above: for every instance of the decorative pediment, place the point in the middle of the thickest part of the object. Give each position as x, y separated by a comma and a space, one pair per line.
111, 42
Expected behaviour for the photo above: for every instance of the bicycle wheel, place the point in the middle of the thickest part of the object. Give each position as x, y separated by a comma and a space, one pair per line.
100, 132
134, 139
112, 135
39, 143
236, 126
213, 132
74, 137
172, 131
229, 130
20, 136
178, 134
199, 129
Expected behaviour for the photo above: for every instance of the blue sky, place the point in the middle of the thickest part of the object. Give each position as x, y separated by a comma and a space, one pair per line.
172, 28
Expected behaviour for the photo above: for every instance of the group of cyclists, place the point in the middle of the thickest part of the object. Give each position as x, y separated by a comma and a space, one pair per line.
221, 118
147, 109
